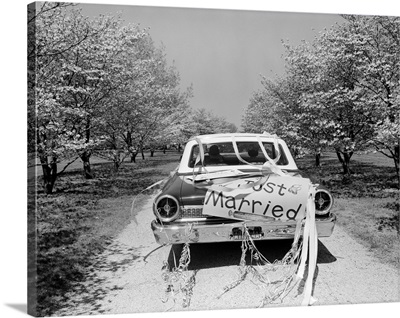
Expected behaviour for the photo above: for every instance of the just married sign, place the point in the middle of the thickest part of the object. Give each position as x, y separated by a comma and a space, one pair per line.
272, 198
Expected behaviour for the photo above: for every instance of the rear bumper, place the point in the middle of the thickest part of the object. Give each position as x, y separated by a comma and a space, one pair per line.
225, 232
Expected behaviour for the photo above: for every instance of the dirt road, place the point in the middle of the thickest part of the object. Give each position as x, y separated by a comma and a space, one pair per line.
127, 277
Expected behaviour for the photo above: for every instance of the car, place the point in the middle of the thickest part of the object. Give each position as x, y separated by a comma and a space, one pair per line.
230, 185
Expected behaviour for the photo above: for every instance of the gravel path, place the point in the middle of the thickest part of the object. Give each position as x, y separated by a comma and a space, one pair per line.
127, 277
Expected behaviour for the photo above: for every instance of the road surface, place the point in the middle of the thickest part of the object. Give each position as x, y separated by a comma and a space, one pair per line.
127, 277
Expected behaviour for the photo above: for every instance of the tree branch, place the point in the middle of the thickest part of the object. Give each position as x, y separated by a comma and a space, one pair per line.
66, 166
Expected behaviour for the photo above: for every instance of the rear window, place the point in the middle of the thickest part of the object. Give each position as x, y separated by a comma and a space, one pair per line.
223, 154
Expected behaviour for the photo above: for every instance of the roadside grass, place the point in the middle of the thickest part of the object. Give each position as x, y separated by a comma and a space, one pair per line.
367, 205
80, 219
377, 229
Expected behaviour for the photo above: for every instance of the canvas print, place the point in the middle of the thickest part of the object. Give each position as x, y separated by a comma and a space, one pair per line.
184, 159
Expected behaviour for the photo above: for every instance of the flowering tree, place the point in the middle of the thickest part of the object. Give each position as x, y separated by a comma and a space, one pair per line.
259, 114
51, 34
158, 104
276, 110
341, 91
358, 76
204, 122
81, 71
376, 43
92, 74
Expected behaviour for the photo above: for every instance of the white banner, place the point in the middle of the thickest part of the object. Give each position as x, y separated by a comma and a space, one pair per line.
276, 198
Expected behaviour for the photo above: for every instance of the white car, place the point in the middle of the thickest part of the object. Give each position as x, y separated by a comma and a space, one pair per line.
227, 184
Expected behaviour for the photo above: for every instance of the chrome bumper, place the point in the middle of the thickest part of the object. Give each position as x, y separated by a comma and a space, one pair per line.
199, 232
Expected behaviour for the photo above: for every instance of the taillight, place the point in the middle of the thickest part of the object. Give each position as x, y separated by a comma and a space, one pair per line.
166, 208
323, 202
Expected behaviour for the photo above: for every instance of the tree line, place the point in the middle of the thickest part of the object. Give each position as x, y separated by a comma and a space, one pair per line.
340, 92
101, 86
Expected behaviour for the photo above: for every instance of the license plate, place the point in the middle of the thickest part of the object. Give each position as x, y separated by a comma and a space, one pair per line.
255, 232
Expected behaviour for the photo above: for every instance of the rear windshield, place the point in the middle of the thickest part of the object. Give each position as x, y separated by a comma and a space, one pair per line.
223, 154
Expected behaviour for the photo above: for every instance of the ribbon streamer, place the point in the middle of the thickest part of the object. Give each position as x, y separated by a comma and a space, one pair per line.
310, 245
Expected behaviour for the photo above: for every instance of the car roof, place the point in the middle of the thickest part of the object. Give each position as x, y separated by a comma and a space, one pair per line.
240, 137
235, 135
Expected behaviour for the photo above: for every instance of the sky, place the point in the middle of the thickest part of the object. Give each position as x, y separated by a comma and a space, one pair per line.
222, 53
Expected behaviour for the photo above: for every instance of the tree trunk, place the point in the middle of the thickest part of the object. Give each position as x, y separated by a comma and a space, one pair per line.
133, 157
164, 149
131, 149
151, 152
396, 163
85, 155
142, 151
117, 161
87, 171
295, 152
49, 173
317, 159
345, 161
347, 157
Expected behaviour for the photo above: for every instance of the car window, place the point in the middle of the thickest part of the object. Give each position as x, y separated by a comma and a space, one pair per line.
223, 154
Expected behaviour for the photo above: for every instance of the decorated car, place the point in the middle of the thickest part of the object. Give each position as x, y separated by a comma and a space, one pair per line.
231, 185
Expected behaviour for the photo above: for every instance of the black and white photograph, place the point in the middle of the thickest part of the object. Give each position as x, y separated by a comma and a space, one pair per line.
213, 158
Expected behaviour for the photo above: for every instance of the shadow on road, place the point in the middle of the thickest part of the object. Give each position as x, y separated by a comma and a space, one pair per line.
96, 284
324, 256
213, 255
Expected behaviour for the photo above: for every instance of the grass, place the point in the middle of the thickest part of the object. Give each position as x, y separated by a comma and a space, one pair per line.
367, 205
81, 218
377, 229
